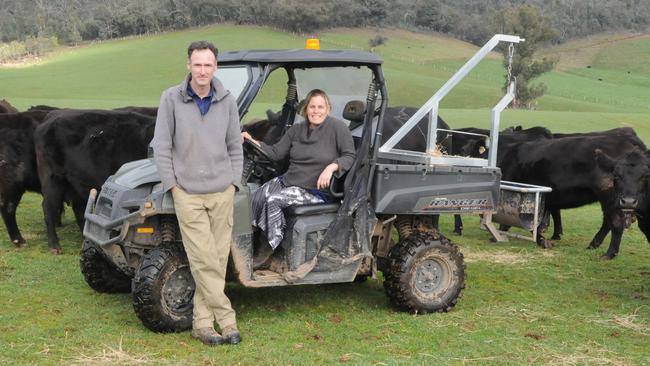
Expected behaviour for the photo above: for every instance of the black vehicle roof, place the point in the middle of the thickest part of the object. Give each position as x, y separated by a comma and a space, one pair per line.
301, 56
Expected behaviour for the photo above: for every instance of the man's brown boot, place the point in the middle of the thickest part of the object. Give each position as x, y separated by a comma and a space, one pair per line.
231, 334
208, 336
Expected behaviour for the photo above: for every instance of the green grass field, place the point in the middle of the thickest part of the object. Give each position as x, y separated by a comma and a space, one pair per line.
522, 304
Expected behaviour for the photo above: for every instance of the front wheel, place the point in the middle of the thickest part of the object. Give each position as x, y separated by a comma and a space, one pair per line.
163, 289
99, 273
425, 274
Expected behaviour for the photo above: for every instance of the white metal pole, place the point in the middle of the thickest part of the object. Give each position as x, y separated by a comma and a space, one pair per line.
444, 90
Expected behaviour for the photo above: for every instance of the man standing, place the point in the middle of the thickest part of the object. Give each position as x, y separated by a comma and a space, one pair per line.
198, 152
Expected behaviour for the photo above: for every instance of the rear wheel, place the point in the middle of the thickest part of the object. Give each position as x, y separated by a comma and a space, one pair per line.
408, 225
99, 273
163, 289
426, 274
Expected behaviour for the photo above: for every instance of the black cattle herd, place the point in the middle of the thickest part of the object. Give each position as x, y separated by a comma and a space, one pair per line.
64, 153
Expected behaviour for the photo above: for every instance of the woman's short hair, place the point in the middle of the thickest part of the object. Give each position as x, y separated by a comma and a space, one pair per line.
311, 94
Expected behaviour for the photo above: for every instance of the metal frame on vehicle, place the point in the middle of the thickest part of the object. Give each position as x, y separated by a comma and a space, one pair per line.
431, 107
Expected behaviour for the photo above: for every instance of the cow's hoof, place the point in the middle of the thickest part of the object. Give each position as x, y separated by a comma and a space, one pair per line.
593, 246
556, 237
458, 232
56, 251
545, 244
607, 257
20, 243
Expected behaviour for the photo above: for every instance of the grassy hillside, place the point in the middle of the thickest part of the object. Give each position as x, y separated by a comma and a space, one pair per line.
522, 304
126, 72
607, 75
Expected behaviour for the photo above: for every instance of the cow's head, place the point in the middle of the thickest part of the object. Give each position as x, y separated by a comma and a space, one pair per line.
626, 177
472, 146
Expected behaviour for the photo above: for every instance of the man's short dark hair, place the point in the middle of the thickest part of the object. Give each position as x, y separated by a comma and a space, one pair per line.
201, 45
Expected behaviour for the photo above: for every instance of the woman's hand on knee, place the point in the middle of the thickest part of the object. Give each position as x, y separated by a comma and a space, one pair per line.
326, 176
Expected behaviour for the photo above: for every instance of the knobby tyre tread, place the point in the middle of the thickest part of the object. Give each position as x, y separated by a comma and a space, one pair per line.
399, 280
148, 285
99, 273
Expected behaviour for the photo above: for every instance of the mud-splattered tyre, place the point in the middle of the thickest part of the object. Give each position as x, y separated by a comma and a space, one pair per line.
99, 273
408, 225
426, 274
163, 289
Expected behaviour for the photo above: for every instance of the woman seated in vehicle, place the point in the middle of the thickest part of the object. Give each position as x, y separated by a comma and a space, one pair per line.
318, 148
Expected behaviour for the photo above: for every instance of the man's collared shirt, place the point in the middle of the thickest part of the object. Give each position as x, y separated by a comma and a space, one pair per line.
202, 103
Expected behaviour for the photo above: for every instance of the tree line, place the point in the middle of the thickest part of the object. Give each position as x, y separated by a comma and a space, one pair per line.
32, 27
73, 21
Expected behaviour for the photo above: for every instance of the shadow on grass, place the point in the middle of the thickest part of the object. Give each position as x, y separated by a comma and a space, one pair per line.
274, 301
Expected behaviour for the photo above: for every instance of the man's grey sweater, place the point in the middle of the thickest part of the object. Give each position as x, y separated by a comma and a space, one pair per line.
200, 154
310, 151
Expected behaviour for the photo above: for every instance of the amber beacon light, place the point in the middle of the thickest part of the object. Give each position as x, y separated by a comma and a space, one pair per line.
313, 44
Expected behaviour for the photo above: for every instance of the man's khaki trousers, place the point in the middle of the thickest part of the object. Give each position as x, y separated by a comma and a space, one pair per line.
206, 222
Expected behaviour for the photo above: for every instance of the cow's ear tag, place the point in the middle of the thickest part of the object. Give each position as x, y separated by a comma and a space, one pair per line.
481, 149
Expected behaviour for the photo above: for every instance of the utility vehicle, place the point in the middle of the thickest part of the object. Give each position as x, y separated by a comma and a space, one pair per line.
132, 241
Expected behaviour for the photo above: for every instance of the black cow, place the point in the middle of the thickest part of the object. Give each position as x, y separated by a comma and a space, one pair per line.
77, 150
148, 111
558, 229
416, 138
610, 169
42, 107
17, 165
475, 146
472, 146
625, 131
6, 107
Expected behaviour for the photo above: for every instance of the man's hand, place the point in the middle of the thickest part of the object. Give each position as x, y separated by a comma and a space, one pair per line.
325, 177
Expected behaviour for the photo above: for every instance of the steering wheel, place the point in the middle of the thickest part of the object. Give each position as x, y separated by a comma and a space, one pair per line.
253, 149
258, 156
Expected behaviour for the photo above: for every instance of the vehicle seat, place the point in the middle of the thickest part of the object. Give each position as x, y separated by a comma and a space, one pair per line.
312, 209
336, 190
354, 111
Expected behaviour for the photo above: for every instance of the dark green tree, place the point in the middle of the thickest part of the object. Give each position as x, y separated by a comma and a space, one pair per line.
434, 15
527, 22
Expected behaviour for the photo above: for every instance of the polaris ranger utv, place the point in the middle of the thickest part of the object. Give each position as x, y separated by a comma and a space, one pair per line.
132, 241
